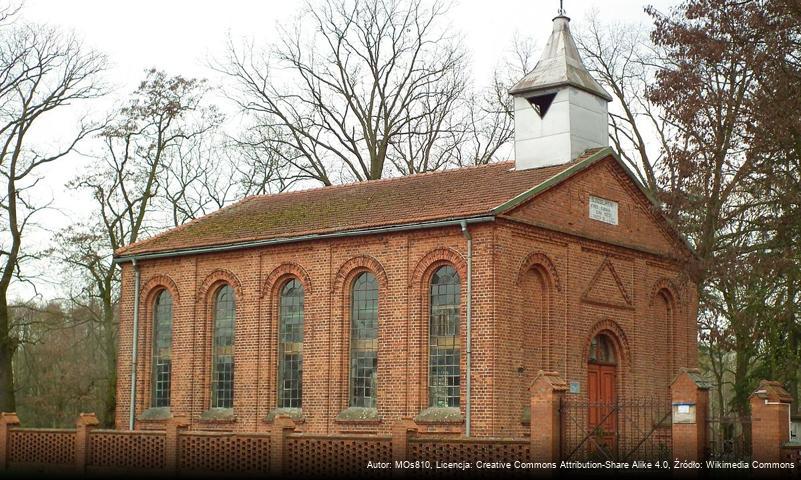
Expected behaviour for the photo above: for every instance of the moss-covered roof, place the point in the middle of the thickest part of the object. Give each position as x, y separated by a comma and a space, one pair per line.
450, 194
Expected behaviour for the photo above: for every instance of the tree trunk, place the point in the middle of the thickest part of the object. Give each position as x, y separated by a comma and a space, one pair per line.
110, 344
741, 389
7, 347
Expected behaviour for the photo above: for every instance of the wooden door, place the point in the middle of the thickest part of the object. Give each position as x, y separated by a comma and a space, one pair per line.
601, 383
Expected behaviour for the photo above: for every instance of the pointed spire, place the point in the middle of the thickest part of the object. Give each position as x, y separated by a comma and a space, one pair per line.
560, 65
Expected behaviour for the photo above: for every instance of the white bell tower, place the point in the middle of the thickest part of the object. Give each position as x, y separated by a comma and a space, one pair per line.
560, 110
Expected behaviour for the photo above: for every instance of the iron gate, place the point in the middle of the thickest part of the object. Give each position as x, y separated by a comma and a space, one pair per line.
729, 438
627, 430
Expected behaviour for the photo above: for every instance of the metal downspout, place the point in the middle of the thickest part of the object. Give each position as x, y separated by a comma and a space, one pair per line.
469, 340
134, 345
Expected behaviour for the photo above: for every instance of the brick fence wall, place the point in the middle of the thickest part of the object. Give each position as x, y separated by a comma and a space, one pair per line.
282, 450
286, 449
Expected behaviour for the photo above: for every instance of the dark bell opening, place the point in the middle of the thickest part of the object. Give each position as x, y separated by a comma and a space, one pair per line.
542, 103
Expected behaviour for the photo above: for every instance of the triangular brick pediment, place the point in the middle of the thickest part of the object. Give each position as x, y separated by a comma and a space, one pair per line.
606, 288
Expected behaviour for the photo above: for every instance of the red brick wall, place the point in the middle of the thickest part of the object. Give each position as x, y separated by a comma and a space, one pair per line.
569, 286
690, 439
539, 296
770, 428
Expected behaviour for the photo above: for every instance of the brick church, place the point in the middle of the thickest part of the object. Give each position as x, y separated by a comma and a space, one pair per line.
436, 296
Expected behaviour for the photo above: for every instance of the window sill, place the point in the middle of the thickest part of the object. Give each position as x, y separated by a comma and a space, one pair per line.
358, 415
295, 414
440, 415
155, 414
218, 415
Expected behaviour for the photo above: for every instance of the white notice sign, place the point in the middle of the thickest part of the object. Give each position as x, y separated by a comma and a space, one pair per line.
683, 413
603, 210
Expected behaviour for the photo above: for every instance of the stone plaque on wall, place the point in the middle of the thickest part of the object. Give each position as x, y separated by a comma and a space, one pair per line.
603, 210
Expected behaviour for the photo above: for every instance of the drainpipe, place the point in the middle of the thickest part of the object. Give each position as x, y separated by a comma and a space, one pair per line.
134, 344
469, 322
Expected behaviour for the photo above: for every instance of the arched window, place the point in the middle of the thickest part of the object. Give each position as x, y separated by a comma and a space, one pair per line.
601, 350
364, 341
222, 370
443, 347
162, 349
662, 309
290, 345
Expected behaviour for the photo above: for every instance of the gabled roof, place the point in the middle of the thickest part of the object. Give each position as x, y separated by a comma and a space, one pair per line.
476, 193
559, 65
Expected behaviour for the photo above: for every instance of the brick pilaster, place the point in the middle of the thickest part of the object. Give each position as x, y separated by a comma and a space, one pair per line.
174, 424
85, 422
770, 421
401, 432
281, 427
546, 395
7, 422
691, 392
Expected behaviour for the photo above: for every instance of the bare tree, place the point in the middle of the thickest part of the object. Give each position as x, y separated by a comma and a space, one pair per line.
197, 179
258, 163
352, 89
623, 58
41, 71
489, 126
52, 393
135, 176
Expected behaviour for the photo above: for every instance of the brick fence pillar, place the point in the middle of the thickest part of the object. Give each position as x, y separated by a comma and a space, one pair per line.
546, 395
770, 421
85, 422
7, 422
689, 394
281, 427
401, 432
174, 424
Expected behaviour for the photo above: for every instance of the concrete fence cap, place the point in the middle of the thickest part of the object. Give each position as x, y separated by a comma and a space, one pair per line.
9, 418
180, 419
695, 375
772, 391
549, 379
87, 419
283, 421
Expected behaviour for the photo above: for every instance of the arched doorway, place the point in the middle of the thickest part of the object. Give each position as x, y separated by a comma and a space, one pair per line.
602, 390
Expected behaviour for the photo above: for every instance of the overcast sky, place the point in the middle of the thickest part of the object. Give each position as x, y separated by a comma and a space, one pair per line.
180, 36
